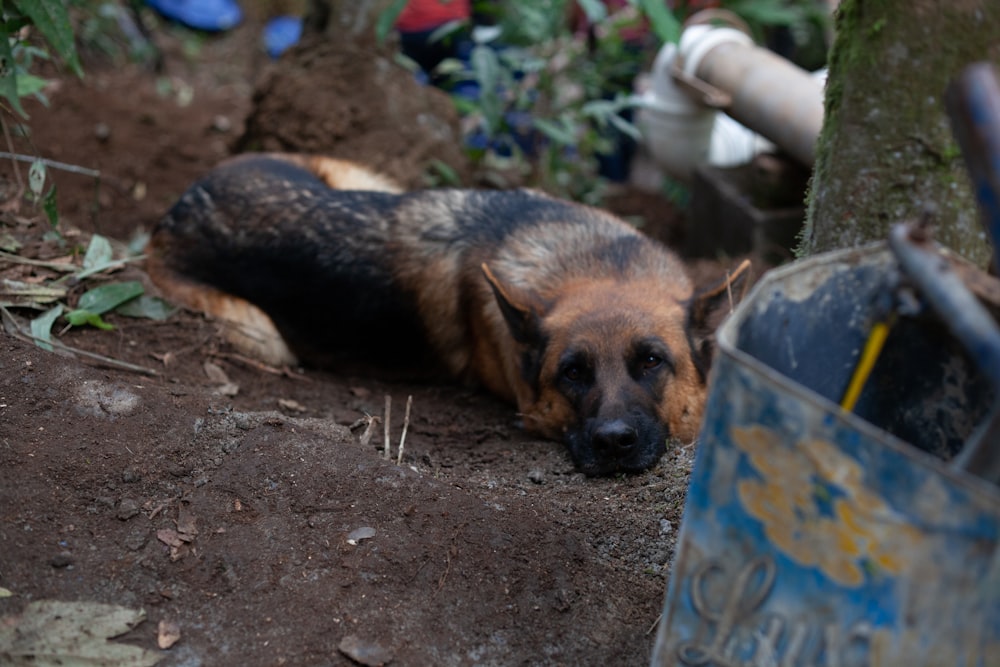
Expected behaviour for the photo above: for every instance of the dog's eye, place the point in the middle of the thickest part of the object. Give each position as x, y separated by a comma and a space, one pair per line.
573, 372
651, 361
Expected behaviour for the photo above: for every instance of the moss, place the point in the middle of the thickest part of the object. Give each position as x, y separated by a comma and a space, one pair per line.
886, 151
876, 28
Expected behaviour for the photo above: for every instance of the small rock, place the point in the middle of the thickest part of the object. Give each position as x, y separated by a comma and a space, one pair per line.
666, 527
127, 509
136, 540
537, 476
222, 124
358, 534
102, 131
168, 633
131, 476
62, 559
370, 654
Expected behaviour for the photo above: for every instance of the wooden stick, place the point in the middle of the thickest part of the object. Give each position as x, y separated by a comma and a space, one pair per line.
386, 452
406, 425
11, 326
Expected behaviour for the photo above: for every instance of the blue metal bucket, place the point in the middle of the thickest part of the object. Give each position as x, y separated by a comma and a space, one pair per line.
822, 538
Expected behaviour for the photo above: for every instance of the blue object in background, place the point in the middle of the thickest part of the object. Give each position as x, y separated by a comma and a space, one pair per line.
208, 15
282, 33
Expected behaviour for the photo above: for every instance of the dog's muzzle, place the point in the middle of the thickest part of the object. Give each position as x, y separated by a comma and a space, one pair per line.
607, 447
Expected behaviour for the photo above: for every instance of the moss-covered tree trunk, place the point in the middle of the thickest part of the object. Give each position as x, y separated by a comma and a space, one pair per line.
886, 152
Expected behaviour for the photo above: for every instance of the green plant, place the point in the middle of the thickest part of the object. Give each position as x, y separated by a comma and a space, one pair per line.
50, 288
547, 101
19, 21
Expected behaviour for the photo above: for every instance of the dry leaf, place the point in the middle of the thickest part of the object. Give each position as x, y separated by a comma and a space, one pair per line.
170, 537
166, 358
50, 632
291, 405
215, 373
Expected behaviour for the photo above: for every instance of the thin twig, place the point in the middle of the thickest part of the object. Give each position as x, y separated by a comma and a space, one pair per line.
729, 291
655, 623
72, 168
15, 330
10, 145
406, 425
261, 366
54, 266
101, 268
386, 452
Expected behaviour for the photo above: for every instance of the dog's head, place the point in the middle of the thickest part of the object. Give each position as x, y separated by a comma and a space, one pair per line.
614, 369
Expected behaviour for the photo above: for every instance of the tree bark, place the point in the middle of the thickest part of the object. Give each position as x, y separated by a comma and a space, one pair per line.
886, 152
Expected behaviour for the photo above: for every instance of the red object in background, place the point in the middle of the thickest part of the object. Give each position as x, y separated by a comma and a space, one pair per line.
424, 15
684, 8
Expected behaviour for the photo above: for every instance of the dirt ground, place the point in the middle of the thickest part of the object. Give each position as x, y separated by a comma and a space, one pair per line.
257, 522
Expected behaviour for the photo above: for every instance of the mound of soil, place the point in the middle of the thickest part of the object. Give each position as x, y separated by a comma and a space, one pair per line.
237, 503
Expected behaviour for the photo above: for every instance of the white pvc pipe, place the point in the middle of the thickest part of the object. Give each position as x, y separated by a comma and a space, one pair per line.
770, 95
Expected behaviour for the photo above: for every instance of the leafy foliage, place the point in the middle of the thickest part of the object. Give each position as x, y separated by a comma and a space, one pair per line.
544, 101
18, 20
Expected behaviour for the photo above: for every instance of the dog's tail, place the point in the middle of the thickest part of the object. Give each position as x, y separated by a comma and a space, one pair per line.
245, 325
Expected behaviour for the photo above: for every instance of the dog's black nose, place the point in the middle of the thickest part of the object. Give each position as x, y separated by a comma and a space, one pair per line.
615, 437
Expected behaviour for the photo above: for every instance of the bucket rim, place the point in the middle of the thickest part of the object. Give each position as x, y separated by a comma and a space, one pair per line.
726, 339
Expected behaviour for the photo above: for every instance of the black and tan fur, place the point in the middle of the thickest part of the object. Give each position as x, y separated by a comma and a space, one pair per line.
589, 327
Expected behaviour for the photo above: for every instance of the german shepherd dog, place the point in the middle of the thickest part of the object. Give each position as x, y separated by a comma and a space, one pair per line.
589, 327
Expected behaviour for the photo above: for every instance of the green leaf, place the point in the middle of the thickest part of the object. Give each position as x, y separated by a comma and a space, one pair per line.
8, 243
50, 207
561, 133
387, 20
80, 317
8, 76
41, 326
594, 9
107, 297
36, 178
29, 84
98, 253
445, 173
51, 19
625, 127
664, 23
486, 68
149, 307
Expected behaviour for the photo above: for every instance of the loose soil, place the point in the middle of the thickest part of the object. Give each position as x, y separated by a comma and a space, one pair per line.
236, 515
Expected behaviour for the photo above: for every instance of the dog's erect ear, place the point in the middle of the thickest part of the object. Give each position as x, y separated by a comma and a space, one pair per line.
719, 299
520, 310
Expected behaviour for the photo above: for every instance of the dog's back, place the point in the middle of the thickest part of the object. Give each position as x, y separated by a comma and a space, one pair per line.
341, 276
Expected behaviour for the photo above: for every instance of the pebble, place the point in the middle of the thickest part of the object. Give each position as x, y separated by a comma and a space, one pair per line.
358, 534
537, 476
127, 509
136, 540
62, 559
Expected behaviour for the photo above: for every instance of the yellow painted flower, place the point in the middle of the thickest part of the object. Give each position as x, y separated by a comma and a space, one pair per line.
815, 508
